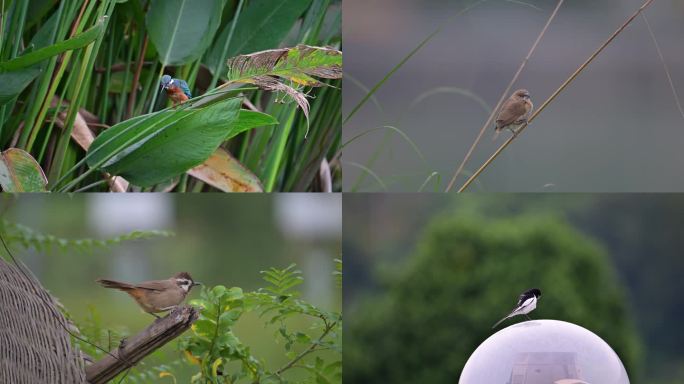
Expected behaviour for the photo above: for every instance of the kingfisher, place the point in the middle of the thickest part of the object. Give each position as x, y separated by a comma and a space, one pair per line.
177, 89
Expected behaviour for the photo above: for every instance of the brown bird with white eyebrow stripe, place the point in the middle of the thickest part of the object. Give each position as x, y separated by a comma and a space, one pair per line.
514, 111
156, 295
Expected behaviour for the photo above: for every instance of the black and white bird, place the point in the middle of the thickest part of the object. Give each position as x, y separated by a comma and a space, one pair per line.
527, 302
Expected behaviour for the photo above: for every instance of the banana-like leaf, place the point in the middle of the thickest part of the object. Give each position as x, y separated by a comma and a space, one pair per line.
181, 30
251, 119
224, 172
299, 65
20, 172
150, 149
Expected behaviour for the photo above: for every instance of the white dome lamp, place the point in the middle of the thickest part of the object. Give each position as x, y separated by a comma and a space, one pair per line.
544, 352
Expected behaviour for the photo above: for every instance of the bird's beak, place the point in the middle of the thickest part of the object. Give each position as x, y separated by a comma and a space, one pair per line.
196, 283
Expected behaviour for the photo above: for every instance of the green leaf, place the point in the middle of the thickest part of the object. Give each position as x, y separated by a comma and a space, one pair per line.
263, 24
20, 172
218, 291
13, 83
152, 148
282, 70
78, 41
181, 30
251, 119
235, 293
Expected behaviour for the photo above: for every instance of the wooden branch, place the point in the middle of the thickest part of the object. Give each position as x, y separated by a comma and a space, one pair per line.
137, 347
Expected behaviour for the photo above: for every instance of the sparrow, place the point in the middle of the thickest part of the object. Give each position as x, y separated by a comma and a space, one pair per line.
156, 295
177, 89
514, 111
527, 302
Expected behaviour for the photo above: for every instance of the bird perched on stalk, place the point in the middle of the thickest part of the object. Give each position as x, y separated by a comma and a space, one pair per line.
156, 295
514, 111
177, 89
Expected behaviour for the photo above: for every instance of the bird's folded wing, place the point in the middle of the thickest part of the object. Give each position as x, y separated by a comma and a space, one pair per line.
510, 112
522, 298
184, 87
152, 285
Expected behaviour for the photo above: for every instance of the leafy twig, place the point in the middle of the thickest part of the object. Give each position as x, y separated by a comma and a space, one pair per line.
309, 349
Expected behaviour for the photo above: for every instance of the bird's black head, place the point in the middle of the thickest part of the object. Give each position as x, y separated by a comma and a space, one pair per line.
534, 291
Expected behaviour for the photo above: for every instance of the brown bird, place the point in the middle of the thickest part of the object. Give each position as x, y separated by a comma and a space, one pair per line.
156, 295
514, 111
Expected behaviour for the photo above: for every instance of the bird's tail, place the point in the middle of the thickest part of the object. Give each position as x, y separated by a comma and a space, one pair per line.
500, 321
114, 284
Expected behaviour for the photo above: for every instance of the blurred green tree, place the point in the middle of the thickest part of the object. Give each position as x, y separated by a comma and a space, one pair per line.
466, 273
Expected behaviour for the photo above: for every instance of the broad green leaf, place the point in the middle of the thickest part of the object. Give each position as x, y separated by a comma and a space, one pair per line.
78, 41
150, 149
263, 24
251, 119
224, 172
181, 30
20, 172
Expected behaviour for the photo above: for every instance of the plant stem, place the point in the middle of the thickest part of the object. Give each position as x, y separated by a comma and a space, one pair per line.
553, 96
667, 70
503, 97
308, 350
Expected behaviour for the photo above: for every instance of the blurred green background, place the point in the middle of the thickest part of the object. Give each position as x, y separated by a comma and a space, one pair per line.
426, 276
218, 240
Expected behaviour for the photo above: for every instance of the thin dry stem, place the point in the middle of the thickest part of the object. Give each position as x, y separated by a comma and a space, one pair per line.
503, 97
553, 96
136, 79
667, 70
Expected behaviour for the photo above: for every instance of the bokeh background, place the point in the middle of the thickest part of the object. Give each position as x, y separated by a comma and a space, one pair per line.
616, 128
218, 240
427, 275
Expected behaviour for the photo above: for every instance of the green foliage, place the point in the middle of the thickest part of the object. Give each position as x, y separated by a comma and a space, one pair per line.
153, 148
88, 66
192, 23
465, 275
28, 238
214, 347
262, 25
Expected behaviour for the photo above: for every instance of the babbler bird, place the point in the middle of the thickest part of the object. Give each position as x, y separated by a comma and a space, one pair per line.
514, 111
156, 295
527, 302
177, 89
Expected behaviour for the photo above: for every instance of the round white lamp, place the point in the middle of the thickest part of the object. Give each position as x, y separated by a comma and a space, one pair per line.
544, 352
